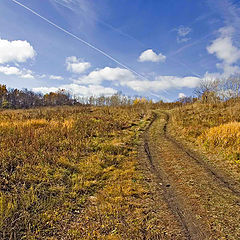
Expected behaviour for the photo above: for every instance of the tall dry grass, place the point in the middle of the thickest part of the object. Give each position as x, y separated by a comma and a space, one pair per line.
214, 128
70, 172
224, 138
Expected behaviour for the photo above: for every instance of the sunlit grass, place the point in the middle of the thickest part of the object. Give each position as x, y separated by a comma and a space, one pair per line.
70, 171
215, 127
225, 138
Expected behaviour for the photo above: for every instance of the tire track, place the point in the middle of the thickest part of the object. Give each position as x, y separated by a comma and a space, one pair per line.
189, 227
214, 173
203, 201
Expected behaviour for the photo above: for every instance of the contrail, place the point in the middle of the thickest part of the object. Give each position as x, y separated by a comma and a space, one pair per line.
81, 40
129, 36
186, 66
100, 21
192, 44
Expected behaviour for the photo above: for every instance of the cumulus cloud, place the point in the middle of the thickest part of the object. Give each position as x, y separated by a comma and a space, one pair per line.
224, 49
76, 65
90, 90
45, 90
79, 90
24, 73
10, 70
54, 77
106, 74
27, 76
15, 51
124, 77
162, 83
150, 56
90, 84
228, 69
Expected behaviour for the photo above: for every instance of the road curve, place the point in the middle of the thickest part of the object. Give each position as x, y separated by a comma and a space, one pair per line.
205, 205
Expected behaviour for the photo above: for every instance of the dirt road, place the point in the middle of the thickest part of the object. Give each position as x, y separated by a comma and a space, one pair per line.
196, 202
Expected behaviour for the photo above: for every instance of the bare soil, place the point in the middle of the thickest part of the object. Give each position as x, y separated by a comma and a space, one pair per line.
194, 200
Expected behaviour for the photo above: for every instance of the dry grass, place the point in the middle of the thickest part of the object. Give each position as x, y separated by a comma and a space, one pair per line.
213, 128
225, 138
70, 173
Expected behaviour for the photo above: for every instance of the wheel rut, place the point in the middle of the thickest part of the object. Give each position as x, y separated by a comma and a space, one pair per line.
218, 176
189, 229
168, 195
190, 187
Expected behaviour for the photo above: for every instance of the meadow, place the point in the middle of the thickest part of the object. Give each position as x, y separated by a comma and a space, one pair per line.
211, 128
71, 173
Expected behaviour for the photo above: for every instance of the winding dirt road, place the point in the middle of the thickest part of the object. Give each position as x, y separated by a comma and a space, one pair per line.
195, 200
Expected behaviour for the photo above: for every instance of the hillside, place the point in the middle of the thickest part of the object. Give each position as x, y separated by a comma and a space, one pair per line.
71, 172
143, 171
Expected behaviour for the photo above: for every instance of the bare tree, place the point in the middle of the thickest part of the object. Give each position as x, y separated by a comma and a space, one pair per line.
208, 89
232, 86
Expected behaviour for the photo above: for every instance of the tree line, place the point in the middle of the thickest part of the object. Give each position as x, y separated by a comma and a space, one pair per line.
214, 90
15, 98
18, 99
209, 91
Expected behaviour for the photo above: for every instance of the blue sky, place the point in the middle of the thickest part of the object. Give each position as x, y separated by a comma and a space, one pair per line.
159, 49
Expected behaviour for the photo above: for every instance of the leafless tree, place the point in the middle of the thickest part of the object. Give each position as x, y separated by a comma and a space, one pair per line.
207, 91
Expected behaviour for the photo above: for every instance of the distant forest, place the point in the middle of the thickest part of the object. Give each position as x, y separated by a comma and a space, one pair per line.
208, 91
18, 99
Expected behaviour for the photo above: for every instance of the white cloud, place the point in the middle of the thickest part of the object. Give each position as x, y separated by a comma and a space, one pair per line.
54, 77
82, 91
228, 69
22, 73
225, 51
150, 56
18, 52
10, 70
181, 95
162, 83
106, 74
76, 65
45, 90
124, 77
27, 76
90, 90
15, 51
229, 11
90, 84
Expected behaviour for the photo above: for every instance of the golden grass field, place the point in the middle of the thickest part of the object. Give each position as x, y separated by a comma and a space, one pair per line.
71, 172
213, 129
